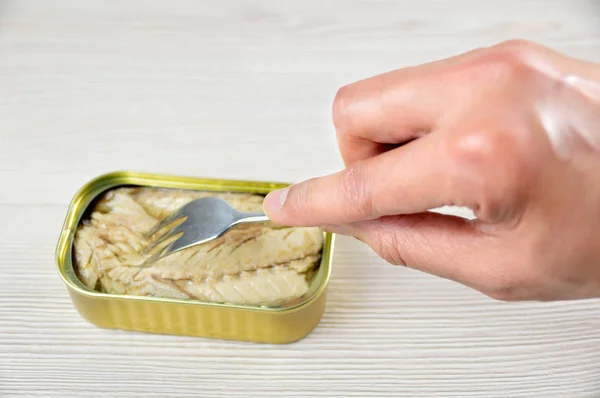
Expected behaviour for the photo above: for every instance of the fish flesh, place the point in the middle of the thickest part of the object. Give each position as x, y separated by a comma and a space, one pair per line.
259, 264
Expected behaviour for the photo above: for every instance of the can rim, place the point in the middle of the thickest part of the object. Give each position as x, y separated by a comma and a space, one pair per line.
88, 192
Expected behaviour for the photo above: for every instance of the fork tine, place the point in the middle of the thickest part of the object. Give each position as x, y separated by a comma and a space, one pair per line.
165, 222
157, 256
163, 238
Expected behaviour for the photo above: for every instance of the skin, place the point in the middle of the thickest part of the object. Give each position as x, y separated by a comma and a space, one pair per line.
510, 131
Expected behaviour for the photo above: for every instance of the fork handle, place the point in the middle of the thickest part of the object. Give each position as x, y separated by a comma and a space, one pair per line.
252, 217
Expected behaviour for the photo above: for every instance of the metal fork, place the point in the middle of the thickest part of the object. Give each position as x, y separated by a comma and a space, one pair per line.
204, 220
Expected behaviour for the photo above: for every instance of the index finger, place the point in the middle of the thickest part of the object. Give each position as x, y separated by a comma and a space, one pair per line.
373, 115
477, 164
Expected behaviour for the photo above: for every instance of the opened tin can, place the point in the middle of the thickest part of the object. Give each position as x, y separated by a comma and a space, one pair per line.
266, 324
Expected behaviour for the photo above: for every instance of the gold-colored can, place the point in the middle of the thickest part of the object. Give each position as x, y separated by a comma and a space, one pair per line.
266, 324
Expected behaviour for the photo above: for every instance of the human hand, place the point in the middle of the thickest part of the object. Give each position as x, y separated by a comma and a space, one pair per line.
511, 132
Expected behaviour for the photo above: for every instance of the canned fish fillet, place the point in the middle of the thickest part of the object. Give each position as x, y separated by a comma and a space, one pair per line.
261, 273
251, 265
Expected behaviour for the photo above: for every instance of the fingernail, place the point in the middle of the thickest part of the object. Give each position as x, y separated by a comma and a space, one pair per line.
283, 196
484, 227
275, 200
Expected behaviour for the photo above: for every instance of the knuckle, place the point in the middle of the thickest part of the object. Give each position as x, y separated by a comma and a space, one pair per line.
387, 245
512, 57
518, 289
492, 169
520, 280
302, 198
354, 190
519, 46
507, 282
506, 295
340, 111
478, 146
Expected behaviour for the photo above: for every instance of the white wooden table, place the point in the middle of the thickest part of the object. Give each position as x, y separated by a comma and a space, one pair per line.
243, 89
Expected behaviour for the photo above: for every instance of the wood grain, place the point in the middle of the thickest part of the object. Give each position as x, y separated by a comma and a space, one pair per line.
243, 89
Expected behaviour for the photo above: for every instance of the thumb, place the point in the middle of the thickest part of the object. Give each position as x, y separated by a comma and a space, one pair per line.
403, 180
